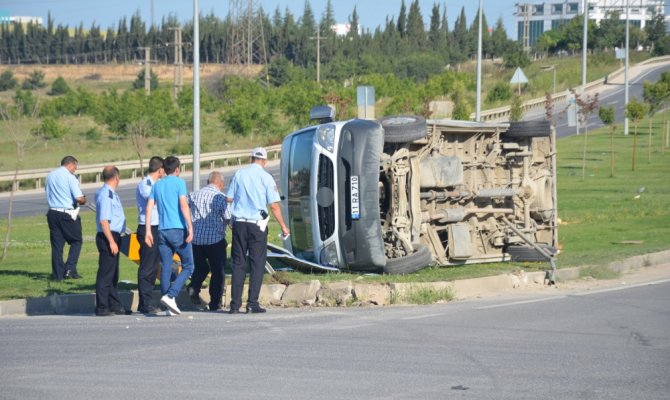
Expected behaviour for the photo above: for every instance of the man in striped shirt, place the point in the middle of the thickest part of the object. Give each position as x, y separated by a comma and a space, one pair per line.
208, 208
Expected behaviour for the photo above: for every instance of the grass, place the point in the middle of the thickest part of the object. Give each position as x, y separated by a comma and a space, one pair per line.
599, 272
427, 295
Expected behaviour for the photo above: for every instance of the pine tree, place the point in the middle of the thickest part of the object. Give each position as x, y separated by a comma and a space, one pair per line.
402, 20
415, 31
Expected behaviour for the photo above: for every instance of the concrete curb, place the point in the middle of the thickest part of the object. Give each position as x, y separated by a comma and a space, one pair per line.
330, 294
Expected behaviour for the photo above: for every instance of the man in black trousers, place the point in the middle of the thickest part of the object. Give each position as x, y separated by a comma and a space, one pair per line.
110, 222
149, 255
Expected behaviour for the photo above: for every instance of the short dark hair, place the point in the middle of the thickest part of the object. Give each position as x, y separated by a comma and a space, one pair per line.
109, 172
170, 164
67, 160
155, 163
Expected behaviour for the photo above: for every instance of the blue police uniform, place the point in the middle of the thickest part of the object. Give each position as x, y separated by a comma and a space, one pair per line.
108, 207
251, 189
62, 190
149, 255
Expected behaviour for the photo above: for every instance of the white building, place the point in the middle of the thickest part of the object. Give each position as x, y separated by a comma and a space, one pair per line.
533, 19
6, 18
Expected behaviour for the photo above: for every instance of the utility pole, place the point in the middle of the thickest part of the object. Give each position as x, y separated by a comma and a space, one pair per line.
478, 109
147, 69
196, 95
318, 54
178, 63
625, 75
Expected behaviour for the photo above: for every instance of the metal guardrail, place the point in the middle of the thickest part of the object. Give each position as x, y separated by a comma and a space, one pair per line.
221, 158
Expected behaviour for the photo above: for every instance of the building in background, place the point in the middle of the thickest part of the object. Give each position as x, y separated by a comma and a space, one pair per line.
533, 19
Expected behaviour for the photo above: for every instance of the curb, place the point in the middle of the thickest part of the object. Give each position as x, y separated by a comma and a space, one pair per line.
313, 293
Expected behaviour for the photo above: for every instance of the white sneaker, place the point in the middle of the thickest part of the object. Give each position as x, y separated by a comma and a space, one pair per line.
171, 304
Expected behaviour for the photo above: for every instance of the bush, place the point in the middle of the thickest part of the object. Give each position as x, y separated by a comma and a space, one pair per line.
500, 92
34, 81
93, 134
7, 80
59, 87
139, 82
50, 129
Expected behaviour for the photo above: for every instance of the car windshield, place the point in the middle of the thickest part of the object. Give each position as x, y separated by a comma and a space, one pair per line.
299, 200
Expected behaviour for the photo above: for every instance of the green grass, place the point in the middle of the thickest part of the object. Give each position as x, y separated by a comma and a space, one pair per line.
599, 272
427, 295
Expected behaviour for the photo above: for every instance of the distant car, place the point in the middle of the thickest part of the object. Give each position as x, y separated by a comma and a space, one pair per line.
401, 193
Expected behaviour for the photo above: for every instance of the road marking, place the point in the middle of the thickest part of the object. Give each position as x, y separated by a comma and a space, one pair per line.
421, 317
521, 302
616, 289
584, 293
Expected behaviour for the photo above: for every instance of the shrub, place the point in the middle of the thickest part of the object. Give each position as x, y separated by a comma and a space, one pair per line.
7, 80
139, 82
50, 129
34, 81
59, 87
500, 92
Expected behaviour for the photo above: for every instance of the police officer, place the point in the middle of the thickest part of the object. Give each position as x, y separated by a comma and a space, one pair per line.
64, 197
251, 190
110, 221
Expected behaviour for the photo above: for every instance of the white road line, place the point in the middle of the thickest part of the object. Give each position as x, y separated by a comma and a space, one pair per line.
422, 317
521, 302
616, 289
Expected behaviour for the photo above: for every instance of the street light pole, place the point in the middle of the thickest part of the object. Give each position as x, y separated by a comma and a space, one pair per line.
478, 109
625, 74
196, 96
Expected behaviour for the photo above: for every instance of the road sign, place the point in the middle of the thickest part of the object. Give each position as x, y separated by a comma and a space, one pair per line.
519, 77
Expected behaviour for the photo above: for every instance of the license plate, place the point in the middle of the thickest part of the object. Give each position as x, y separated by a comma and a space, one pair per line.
355, 201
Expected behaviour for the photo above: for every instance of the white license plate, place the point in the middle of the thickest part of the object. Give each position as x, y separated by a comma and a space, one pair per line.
355, 201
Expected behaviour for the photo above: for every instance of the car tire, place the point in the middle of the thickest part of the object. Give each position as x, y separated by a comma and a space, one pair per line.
420, 259
529, 253
403, 128
528, 129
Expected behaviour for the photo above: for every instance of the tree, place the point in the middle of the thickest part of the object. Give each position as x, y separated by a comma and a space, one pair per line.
59, 87
635, 110
462, 107
34, 81
139, 131
608, 117
7, 80
139, 82
17, 125
585, 107
516, 109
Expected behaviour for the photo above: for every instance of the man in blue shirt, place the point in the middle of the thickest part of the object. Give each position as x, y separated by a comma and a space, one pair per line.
110, 222
64, 197
149, 256
208, 209
251, 190
175, 230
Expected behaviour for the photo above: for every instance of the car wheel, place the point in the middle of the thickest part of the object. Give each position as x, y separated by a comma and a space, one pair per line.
416, 261
403, 128
526, 129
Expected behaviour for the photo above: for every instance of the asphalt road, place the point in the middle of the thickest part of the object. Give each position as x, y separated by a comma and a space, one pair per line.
611, 94
610, 344
34, 202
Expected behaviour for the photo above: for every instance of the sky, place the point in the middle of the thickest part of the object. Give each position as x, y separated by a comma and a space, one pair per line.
372, 13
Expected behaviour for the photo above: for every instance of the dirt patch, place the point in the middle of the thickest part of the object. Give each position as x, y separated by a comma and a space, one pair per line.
128, 72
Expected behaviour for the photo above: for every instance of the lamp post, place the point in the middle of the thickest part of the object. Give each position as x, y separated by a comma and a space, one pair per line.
478, 108
550, 68
196, 96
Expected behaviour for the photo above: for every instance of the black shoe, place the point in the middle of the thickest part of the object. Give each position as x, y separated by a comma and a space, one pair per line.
72, 275
104, 313
148, 310
256, 310
215, 308
234, 311
195, 296
121, 311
